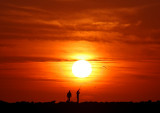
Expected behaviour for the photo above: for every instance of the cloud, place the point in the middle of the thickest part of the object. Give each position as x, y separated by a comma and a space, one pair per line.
16, 59
131, 22
147, 77
20, 59
6, 45
33, 79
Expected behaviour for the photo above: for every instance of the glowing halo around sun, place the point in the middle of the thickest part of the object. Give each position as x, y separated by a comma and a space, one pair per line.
81, 68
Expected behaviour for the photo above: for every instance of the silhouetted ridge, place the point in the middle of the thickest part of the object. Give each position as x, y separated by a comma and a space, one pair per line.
84, 107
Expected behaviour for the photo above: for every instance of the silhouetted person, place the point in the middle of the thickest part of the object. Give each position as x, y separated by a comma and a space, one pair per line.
69, 96
78, 96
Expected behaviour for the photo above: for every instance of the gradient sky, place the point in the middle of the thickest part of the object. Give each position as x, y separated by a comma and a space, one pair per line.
41, 39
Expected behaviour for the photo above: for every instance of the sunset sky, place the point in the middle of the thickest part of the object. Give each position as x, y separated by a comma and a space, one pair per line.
41, 39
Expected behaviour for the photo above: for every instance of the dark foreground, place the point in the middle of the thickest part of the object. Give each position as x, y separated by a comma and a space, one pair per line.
85, 107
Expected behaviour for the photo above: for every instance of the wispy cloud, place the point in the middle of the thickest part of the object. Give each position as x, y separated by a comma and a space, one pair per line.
94, 21
13, 59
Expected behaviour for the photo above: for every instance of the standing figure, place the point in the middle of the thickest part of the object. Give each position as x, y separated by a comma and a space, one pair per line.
78, 96
69, 96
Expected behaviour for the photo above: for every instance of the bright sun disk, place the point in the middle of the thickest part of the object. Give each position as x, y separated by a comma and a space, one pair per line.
81, 68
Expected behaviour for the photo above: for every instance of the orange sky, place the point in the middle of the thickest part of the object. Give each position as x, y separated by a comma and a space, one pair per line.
40, 40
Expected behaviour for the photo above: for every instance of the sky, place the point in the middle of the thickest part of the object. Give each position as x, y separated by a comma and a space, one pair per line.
41, 39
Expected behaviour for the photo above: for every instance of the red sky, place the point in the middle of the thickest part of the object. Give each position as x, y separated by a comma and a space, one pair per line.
40, 40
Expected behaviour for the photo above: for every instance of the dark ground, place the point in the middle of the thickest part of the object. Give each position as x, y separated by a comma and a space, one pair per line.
85, 107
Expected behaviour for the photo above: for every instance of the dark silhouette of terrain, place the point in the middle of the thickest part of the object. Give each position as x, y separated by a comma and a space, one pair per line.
85, 107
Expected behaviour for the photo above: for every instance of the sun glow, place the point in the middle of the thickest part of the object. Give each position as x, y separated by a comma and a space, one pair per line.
81, 68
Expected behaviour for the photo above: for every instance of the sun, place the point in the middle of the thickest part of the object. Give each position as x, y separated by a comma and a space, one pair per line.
81, 68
